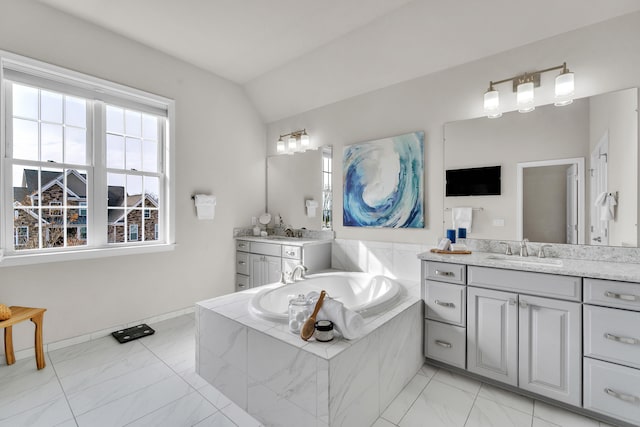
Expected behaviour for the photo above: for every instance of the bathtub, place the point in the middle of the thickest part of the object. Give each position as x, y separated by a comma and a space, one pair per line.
365, 293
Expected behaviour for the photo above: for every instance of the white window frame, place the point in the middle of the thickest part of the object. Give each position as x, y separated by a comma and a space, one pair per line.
102, 92
131, 232
17, 234
82, 206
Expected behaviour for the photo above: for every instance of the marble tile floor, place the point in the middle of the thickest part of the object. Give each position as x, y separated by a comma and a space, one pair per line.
152, 382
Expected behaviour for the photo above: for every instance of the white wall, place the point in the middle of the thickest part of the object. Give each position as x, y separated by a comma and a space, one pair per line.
605, 57
220, 148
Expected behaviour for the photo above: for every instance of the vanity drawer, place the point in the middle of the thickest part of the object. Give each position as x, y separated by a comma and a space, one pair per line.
243, 245
445, 302
242, 263
242, 282
445, 272
547, 285
612, 390
266, 249
446, 343
612, 334
612, 293
292, 252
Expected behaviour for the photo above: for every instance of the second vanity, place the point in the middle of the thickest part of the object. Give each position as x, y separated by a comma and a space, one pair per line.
566, 330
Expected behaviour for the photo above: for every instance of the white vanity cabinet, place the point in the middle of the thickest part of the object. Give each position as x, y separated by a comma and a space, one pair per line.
612, 349
260, 262
523, 339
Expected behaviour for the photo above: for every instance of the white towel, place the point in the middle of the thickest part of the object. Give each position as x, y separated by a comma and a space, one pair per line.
349, 323
601, 199
462, 217
608, 212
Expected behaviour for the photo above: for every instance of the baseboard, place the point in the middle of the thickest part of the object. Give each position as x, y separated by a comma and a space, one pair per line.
29, 352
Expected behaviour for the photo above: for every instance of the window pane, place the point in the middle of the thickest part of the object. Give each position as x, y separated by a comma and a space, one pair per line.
149, 156
51, 107
52, 234
51, 140
52, 190
135, 225
75, 111
115, 119
134, 190
133, 121
115, 152
25, 139
134, 151
21, 192
25, 102
151, 225
116, 226
76, 191
149, 127
25, 229
75, 145
152, 191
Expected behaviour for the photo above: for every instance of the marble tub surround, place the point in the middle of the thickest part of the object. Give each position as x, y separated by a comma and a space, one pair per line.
282, 380
622, 271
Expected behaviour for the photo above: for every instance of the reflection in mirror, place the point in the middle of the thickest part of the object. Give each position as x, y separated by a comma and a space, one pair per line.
543, 197
293, 180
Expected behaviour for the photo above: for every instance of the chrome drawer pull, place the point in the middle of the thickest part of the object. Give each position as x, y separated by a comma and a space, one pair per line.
241, 262
625, 340
290, 253
444, 304
622, 396
621, 296
443, 344
242, 245
444, 273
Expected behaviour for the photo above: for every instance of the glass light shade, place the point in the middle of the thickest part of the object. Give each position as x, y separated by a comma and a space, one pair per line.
492, 104
280, 146
304, 140
524, 97
292, 146
564, 89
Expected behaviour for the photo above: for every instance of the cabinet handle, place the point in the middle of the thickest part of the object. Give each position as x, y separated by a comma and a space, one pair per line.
242, 263
624, 340
241, 286
443, 344
444, 273
242, 245
290, 253
444, 304
622, 396
621, 296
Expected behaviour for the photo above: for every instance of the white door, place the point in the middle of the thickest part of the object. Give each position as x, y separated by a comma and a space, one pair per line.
572, 204
599, 230
550, 341
492, 334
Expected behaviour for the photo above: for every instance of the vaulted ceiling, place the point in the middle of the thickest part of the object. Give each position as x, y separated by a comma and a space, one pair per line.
295, 55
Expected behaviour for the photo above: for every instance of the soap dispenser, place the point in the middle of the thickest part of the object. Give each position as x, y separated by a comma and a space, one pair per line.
256, 227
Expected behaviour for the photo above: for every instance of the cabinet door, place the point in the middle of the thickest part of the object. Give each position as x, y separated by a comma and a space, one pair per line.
273, 269
551, 348
256, 270
492, 334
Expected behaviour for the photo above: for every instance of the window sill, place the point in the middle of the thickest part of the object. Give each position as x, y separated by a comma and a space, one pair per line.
41, 258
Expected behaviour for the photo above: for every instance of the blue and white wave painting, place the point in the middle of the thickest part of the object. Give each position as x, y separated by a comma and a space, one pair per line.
384, 182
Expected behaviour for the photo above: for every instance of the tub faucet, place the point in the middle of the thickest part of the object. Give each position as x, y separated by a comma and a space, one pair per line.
523, 248
300, 269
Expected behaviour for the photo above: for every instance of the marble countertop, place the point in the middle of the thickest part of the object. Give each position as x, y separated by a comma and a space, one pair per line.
626, 272
235, 306
282, 240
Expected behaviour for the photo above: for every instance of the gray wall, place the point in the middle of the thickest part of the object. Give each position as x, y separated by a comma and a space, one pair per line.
220, 148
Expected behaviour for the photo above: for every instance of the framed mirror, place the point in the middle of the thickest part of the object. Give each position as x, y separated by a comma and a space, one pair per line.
299, 188
568, 174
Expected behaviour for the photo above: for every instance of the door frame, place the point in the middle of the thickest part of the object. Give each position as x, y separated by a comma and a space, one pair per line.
579, 162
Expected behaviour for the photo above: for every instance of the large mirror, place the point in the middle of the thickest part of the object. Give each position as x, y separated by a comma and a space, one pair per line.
298, 182
568, 174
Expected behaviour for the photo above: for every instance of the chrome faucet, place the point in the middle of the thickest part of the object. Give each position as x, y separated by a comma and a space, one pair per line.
508, 250
541, 251
300, 269
523, 248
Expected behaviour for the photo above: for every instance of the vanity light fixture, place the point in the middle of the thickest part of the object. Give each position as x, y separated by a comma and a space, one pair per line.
297, 141
524, 86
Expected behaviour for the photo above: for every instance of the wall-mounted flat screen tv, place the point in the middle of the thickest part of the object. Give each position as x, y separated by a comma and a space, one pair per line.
473, 182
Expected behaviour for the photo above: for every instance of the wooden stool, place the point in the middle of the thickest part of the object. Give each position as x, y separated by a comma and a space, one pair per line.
20, 314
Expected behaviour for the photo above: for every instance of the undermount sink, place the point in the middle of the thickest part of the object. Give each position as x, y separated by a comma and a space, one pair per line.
517, 260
